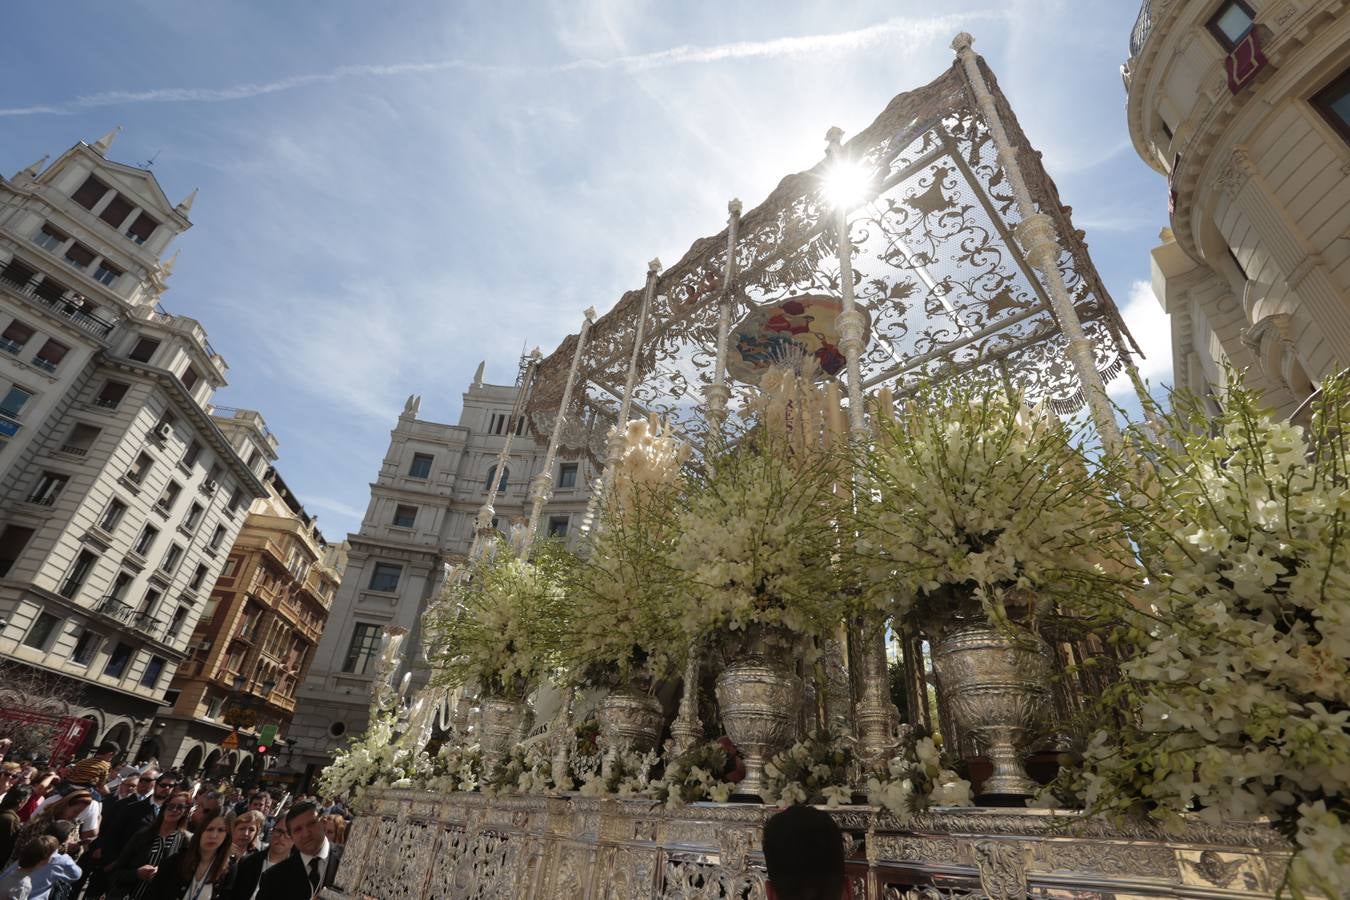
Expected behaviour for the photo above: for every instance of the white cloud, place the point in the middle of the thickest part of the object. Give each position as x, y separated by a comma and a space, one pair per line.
910, 29
1152, 330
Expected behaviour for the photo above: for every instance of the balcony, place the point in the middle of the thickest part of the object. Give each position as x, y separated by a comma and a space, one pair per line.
61, 306
116, 610
147, 624
1143, 26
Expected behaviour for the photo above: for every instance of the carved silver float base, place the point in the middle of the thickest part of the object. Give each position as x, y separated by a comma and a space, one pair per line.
421, 846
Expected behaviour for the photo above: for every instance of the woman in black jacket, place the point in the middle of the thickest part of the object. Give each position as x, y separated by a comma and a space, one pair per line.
129, 875
201, 871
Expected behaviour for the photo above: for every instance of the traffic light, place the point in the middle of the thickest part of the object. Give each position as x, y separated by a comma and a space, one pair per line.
266, 738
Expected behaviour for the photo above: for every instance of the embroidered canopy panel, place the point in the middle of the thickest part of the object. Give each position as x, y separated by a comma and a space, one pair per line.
936, 267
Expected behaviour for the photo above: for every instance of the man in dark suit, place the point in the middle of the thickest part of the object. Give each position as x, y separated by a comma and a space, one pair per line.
122, 818
312, 865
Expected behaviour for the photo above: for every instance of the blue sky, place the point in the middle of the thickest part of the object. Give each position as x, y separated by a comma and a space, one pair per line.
391, 192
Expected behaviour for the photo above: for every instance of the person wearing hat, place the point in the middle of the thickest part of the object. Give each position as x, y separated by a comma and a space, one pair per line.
87, 775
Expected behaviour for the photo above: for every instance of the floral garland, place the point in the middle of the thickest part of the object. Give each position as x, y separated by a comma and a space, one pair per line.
630, 773
1241, 678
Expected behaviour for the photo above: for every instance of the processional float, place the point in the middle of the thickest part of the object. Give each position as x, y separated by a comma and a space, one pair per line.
953, 255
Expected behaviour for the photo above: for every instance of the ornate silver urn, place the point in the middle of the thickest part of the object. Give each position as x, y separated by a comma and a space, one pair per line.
500, 722
997, 683
629, 719
759, 694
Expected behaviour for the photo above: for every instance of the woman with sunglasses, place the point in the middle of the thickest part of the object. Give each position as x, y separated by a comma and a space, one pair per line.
252, 866
130, 875
201, 871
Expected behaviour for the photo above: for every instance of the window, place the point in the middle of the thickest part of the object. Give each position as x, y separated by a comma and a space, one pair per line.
191, 454
176, 624
385, 577
190, 378
90, 193
193, 517
363, 648
520, 426
117, 661
141, 228
120, 585
501, 485
567, 475
13, 402
48, 488
17, 273
107, 273
48, 289
146, 540
13, 538
557, 526
235, 499
172, 557
140, 468
112, 515
50, 356
216, 537
80, 439
144, 350
231, 566
79, 256
16, 334
40, 635
117, 210
84, 564
49, 238
215, 706
1230, 23
153, 669
198, 577
150, 601
111, 394
405, 516
86, 645
1333, 102
170, 496
421, 466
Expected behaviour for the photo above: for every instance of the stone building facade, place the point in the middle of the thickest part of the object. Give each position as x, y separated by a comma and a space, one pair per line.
1244, 106
255, 639
119, 494
431, 484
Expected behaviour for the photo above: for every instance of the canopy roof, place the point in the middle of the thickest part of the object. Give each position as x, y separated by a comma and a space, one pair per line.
936, 267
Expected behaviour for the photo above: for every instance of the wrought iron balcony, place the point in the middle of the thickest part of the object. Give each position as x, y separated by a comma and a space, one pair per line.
1143, 26
116, 610
63, 307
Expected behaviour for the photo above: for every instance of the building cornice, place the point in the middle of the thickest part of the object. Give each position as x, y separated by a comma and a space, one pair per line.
185, 404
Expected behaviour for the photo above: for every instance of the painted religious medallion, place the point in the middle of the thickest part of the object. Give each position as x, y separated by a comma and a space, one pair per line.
800, 327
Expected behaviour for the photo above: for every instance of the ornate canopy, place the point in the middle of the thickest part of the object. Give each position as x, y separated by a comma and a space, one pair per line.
943, 281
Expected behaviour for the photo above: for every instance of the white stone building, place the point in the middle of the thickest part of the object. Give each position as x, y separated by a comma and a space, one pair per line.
119, 496
423, 503
1244, 105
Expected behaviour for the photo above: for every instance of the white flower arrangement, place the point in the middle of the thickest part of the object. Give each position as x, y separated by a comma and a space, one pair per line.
374, 760
622, 630
503, 627
630, 774
818, 769
1241, 678
917, 779
970, 494
704, 773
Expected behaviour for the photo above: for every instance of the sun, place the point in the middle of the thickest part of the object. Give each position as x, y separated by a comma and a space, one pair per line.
846, 184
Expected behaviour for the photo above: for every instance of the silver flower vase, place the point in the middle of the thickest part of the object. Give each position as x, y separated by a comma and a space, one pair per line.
997, 684
759, 694
630, 720
500, 721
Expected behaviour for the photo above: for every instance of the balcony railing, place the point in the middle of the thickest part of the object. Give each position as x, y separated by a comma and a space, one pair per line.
116, 610
61, 306
1143, 25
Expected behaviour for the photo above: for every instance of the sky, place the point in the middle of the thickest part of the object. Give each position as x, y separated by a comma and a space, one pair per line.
391, 192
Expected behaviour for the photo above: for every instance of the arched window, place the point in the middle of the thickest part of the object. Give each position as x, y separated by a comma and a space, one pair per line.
501, 485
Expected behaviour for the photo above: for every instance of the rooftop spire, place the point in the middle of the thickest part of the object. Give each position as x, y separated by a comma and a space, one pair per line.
102, 144
186, 206
32, 171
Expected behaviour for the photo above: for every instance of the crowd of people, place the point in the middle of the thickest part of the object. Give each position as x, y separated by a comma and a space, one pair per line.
97, 831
